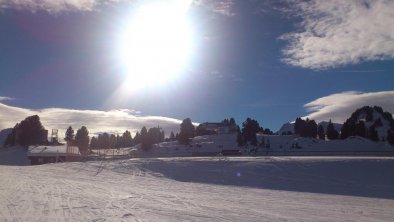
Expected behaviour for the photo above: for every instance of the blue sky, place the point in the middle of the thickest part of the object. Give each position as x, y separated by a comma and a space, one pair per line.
260, 59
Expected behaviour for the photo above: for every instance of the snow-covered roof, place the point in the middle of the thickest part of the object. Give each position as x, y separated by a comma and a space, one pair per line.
51, 151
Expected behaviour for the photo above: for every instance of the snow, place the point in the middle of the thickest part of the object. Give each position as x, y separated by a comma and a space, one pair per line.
201, 189
212, 145
14, 156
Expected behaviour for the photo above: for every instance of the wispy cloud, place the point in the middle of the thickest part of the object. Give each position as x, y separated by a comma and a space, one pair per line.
337, 32
2, 98
338, 107
113, 121
224, 7
52, 6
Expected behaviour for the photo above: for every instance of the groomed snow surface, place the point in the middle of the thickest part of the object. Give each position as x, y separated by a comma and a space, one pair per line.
201, 189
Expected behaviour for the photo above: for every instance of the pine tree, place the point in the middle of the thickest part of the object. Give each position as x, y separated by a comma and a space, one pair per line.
310, 129
390, 137
240, 140
187, 131
28, 132
321, 133
232, 121
145, 143
69, 136
82, 140
332, 133
137, 138
360, 129
373, 134
299, 126
249, 130
172, 136
93, 143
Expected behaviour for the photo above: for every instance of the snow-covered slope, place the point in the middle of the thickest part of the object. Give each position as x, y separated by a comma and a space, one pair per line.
212, 145
14, 156
201, 189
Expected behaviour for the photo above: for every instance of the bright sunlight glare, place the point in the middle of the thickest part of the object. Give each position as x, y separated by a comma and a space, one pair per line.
157, 42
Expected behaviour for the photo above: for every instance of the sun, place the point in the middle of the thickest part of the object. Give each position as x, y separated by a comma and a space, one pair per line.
157, 42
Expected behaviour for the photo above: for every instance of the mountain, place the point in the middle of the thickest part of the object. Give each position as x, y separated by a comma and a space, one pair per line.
289, 127
363, 120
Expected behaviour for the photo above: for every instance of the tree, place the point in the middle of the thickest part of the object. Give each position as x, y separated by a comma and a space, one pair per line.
305, 128
267, 131
360, 129
137, 138
240, 140
249, 129
187, 131
232, 121
321, 133
390, 137
127, 139
299, 126
112, 141
348, 129
93, 143
104, 141
373, 134
172, 136
28, 132
69, 136
82, 140
310, 129
145, 143
332, 134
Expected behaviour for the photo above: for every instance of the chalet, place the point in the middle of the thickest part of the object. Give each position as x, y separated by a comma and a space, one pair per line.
53, 154
215, 128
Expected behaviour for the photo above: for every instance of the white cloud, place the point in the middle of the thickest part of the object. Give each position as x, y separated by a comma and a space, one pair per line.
224, 7
340, 32
52, 6
2, 98
113, 121
338, 107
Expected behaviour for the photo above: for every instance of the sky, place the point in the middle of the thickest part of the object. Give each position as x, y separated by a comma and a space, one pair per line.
114, 65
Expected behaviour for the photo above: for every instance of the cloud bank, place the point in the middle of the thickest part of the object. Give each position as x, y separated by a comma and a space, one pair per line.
52, 6
338, 107
223, 7
113, 121
337, 32
2, 98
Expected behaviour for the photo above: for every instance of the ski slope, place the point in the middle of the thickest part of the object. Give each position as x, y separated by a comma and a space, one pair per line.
201, 189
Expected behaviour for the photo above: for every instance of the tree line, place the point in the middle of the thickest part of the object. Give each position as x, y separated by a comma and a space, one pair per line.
30, 131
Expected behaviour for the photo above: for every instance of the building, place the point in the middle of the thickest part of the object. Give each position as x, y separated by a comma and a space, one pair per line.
215, 128
53, 154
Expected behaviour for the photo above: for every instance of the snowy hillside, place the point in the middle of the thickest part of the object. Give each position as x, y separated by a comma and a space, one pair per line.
201, 189
212, 145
